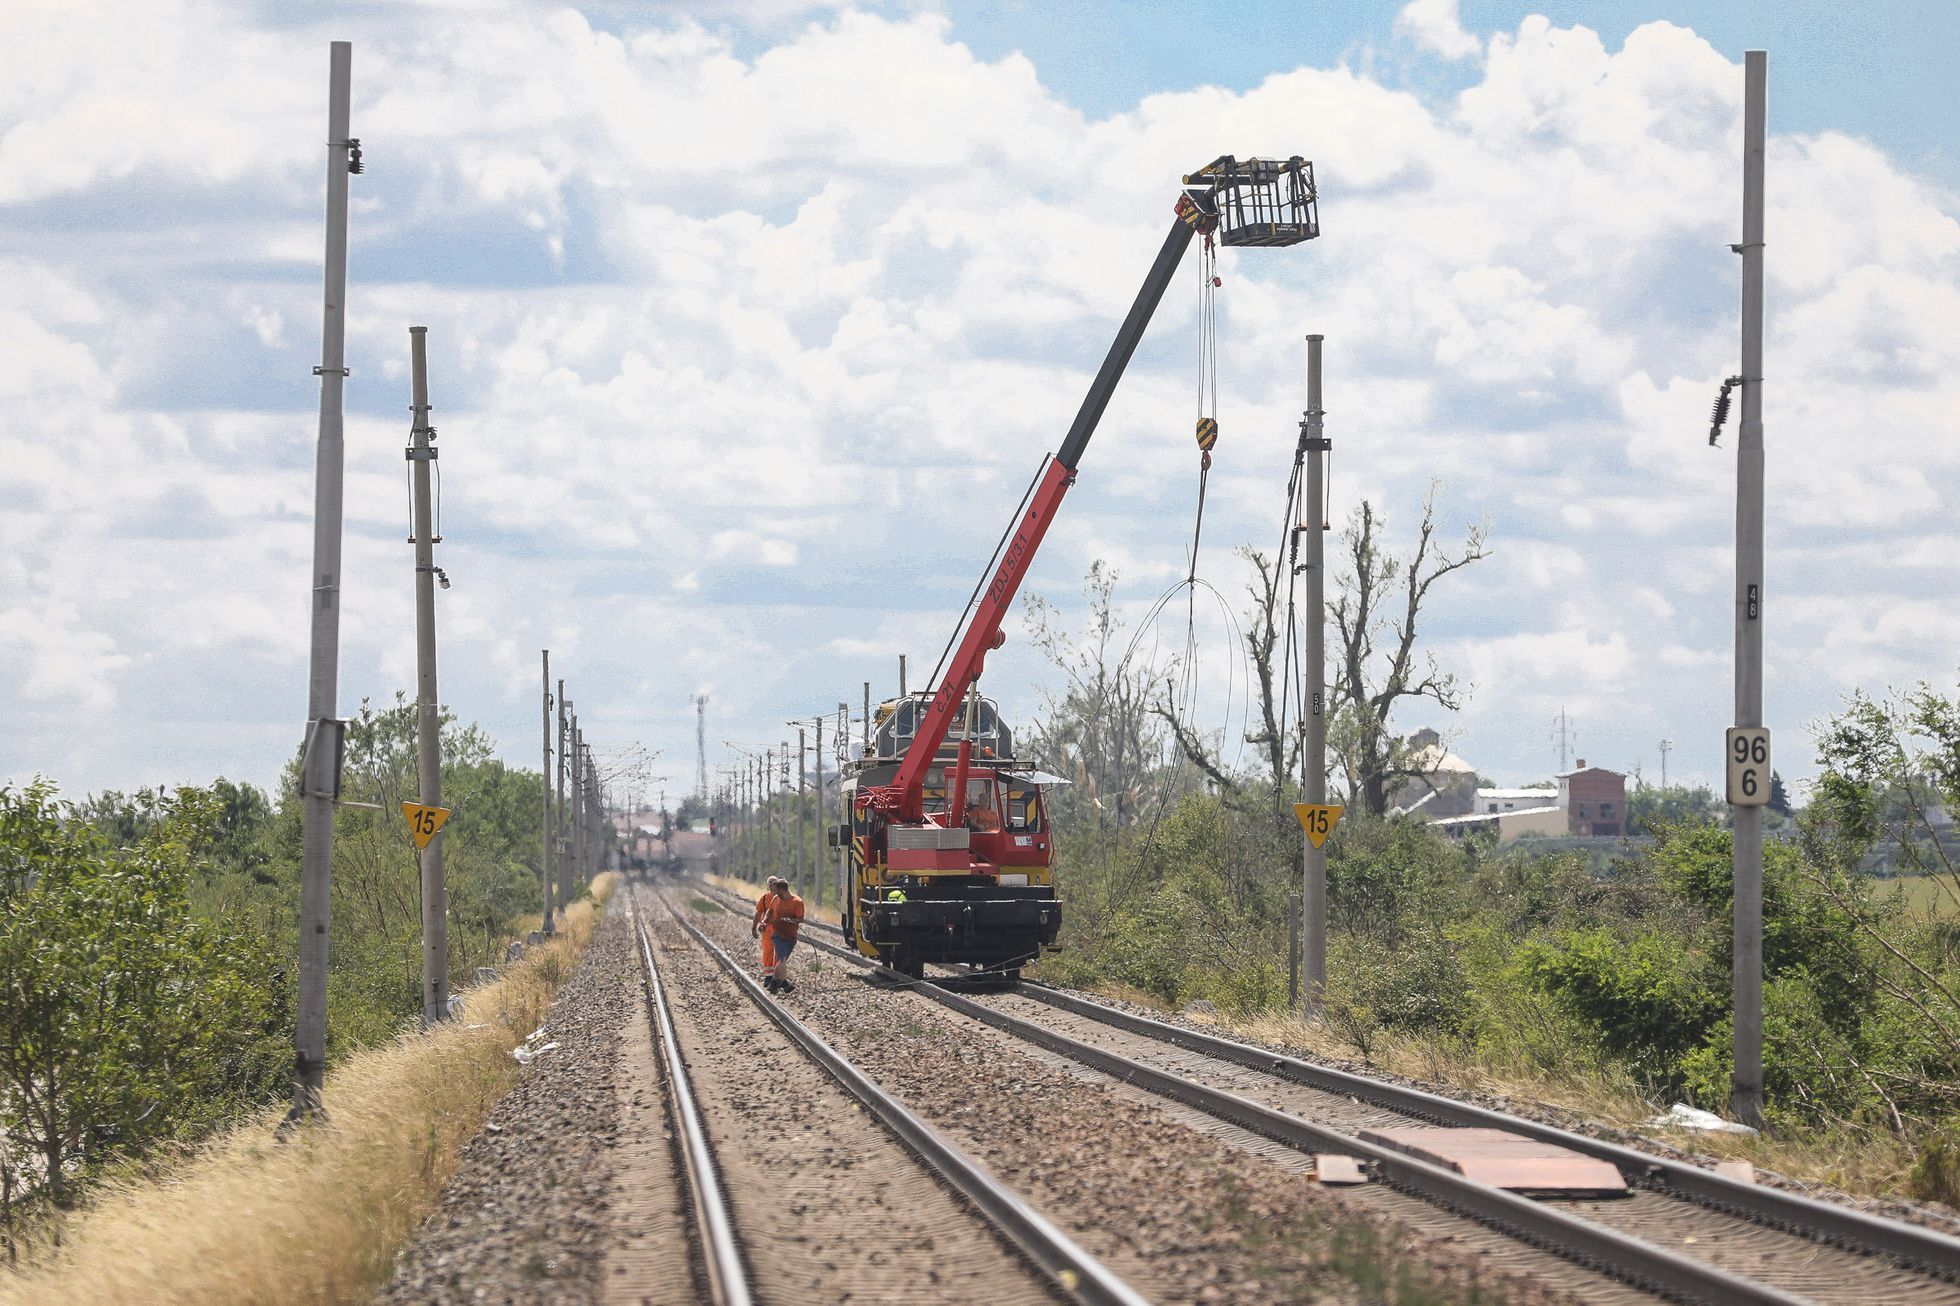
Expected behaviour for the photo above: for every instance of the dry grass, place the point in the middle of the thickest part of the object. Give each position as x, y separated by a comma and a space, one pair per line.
247, 1219
751, 891
1870, 1162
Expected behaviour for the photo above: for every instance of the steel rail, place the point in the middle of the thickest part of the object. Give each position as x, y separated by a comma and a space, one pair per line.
1614, 1253
1074, 1270
1920, 1247
721, 1253
1913, 1245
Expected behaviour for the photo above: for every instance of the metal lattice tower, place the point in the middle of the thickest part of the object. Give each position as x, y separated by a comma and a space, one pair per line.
701, 745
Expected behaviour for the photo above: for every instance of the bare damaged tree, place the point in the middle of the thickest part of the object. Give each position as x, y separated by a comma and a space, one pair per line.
1377, 615
1099, 731
1263, 644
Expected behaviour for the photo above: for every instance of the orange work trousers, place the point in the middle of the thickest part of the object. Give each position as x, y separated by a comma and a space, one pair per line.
768, 953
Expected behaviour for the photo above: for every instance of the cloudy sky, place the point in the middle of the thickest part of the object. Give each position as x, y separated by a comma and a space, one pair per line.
749, 319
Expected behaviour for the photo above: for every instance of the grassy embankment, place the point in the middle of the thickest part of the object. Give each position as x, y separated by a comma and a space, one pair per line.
1583, 1088
248, 1219
751, 891
1869, 1162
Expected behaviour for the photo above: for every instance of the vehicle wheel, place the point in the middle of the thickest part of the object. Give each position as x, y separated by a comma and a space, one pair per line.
1011, 976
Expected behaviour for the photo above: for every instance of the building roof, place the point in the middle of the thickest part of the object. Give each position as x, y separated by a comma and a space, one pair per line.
1541, 791
1434, 759
1582, 769
1496, 816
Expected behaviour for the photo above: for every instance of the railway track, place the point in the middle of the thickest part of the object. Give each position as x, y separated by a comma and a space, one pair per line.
724, 1271
1739, 1242
726, 1268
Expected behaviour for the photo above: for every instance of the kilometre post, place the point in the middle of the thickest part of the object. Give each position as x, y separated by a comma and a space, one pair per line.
428, 710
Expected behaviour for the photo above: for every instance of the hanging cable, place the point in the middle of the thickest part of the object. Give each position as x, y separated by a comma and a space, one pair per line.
1207, 437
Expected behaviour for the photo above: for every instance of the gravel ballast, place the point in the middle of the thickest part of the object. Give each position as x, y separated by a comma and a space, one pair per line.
525, 1218
827, 1205
1181, 1211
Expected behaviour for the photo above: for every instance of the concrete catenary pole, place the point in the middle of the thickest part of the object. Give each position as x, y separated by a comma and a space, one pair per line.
561, 843
428, 708
577, 764
1313, 715
770, 865
595, 839
823, 816
550, 926
843, 747
320, 766
1747, 1097
583, 812
802, 827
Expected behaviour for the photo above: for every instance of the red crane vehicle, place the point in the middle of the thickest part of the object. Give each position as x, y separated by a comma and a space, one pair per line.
948, 848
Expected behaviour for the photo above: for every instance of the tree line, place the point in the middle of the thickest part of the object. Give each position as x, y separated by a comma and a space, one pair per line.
148, 944
1177, 855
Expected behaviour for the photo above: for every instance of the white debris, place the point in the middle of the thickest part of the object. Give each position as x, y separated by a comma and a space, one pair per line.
1683, 1116
530, 1049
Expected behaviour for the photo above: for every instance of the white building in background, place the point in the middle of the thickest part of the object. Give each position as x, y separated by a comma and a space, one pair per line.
1510, 824
1492, 801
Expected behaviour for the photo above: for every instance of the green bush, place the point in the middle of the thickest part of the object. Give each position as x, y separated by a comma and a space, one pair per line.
124, 1017
1648, 997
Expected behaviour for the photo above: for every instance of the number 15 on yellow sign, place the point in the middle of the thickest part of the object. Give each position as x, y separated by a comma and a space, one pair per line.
424, 821
1318, 820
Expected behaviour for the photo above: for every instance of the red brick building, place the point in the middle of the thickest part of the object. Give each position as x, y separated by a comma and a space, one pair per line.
1594, 799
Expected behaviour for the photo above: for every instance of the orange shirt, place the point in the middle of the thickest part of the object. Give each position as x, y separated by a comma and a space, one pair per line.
781, 913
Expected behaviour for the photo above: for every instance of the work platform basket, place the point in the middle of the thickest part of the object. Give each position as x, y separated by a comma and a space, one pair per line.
1261, 202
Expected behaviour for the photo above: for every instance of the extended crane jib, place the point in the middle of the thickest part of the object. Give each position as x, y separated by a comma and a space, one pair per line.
1267, 203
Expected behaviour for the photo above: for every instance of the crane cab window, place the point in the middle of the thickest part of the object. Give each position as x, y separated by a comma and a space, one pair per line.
1024, 810
982, 813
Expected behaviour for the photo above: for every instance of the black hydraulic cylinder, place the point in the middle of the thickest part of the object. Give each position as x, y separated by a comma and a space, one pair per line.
1125, 344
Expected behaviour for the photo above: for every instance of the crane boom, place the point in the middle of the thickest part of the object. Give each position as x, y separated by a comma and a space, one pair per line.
983, 632
1253, 204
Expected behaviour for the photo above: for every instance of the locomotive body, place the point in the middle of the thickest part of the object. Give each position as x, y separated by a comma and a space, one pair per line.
971, 885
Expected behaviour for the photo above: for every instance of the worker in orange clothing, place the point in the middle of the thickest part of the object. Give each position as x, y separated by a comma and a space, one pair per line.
778, 917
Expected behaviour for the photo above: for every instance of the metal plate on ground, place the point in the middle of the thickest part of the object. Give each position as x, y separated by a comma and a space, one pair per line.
1333, 1168
1509, 1161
